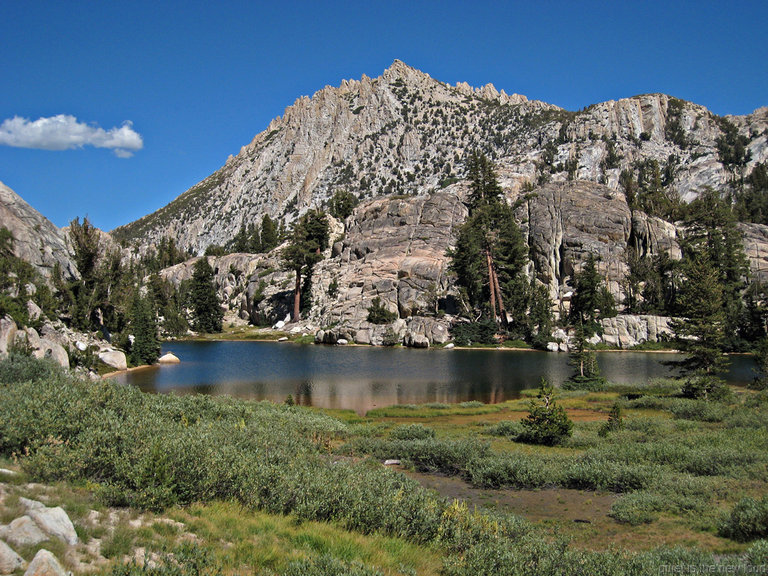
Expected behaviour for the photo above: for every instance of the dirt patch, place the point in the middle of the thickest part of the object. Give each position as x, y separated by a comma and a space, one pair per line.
581, 506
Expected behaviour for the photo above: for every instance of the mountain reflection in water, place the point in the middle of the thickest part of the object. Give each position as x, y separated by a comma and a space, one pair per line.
362, 378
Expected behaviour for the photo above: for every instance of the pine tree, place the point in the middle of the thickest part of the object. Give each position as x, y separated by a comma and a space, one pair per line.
547, 422
146, 346
81, 295
584, 359
206, 312
710, 233
590, 302
254, 239
309, 238
701, 332
484, 186
240, 241
490, 252
341, 204
591, 299
269, 236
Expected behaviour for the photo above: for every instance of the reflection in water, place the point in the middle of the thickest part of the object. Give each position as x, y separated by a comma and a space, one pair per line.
362, 378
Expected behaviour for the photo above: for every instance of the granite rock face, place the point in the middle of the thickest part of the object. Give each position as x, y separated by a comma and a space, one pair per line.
395, 250
565, 222
626, 331
407, 133
35, 238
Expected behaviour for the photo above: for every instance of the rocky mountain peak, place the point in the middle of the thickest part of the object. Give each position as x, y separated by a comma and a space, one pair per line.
405, 133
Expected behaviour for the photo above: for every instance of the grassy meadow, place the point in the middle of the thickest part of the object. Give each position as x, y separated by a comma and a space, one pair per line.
209, 485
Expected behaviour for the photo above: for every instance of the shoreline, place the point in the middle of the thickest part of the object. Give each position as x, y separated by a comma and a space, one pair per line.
128, 370
356, 345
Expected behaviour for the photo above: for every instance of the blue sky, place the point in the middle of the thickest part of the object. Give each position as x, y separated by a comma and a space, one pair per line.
141, 100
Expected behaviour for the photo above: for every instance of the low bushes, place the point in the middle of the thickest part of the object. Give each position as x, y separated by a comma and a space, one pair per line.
425, 454
151, 451
748, 520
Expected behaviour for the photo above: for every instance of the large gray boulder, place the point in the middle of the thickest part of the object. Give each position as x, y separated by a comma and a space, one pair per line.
23, 531
52, 350
114, 358
168, 358
53, 521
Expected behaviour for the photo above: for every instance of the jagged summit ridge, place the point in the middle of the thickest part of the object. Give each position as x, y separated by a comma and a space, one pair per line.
407, 133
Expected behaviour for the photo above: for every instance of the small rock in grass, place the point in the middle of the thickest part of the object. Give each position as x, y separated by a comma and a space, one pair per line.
44, 564
9, 560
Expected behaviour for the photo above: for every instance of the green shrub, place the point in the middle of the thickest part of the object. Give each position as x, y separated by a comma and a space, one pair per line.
327, 565
758, 553
637, 508
426, 454
615, 421
506, 428
378, 314
515, 471
547, 423
588, 383
748, 520
22, 367
469, 333
705, 387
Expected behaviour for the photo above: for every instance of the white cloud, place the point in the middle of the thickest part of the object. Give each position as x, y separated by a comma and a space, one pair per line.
64, 132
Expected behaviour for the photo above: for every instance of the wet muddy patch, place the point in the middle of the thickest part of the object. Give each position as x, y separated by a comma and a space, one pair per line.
580, 506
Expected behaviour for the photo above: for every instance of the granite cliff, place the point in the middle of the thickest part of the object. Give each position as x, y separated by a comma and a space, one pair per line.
398, 143
407, 133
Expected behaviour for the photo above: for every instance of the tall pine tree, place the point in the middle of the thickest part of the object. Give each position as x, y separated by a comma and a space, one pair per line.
206, 312
145, 348
309, 238
490, 253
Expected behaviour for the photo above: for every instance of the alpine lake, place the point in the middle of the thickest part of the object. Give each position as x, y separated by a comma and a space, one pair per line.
361, 378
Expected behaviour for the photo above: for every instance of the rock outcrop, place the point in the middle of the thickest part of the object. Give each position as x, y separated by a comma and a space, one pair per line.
53, 521
565, 222
399, 142
394, 249
46, 345
626, 331
35, 238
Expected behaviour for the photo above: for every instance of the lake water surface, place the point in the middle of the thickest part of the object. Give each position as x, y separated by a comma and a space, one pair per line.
362, 378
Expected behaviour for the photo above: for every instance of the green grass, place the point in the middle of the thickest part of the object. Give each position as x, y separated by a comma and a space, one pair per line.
291, 490
257, 540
